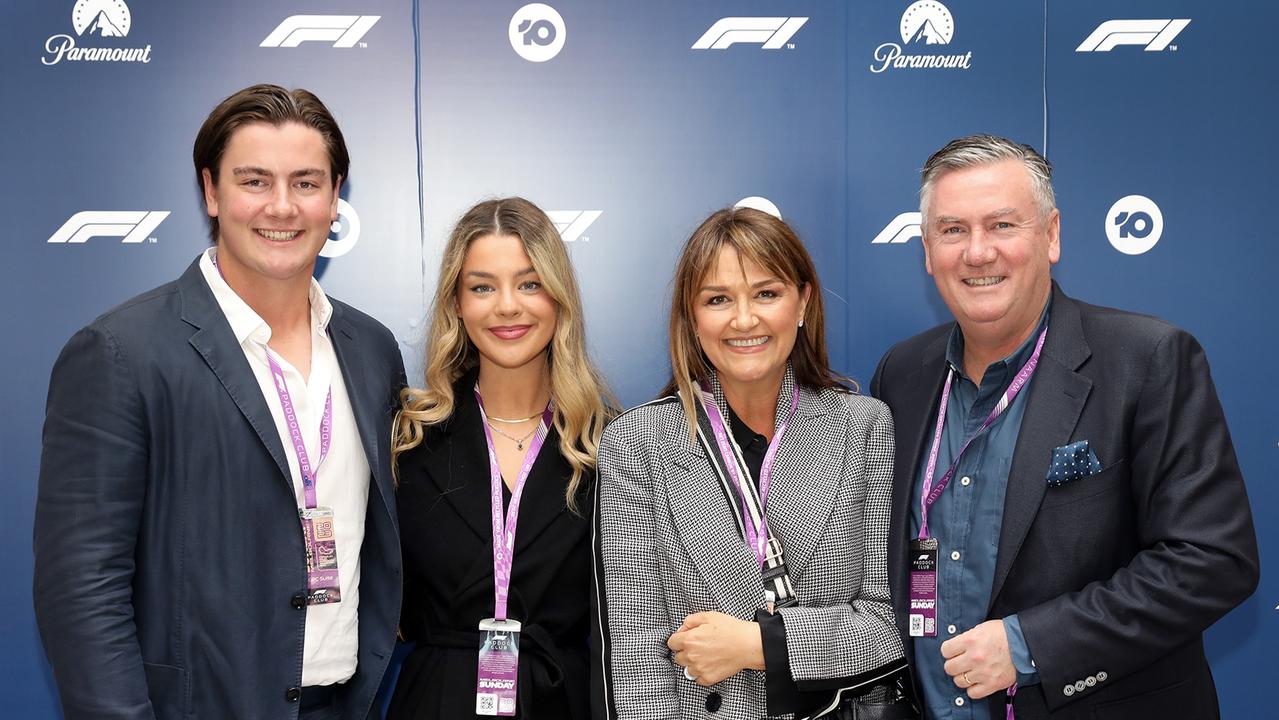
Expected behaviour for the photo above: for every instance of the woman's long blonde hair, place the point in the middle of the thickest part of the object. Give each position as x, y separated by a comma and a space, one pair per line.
771, 244
582, 400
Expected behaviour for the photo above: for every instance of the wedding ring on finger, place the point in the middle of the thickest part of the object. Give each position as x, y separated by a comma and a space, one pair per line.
969, 683
689, 676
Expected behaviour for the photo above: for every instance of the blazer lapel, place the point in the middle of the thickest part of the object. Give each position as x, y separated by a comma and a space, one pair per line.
803, 486
458, 466
216, 343
543, 500
1057, 396
369, 410
915, 418
705, 525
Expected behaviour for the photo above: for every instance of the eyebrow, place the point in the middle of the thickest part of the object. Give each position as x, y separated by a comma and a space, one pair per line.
724, 288
491, 276
948, 219
255, 170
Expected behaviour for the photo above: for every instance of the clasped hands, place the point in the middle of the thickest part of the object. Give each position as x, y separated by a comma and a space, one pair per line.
712, 647
979, 660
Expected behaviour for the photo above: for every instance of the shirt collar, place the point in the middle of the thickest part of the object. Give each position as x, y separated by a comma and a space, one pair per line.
955, 347
245, 323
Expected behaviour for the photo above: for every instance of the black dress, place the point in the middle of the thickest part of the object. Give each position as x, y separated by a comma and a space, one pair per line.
446, 533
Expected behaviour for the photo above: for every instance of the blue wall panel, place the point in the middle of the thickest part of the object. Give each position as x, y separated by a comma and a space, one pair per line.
631, 122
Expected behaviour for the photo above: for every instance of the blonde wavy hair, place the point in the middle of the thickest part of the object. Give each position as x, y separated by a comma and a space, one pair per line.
770, 243
583, 402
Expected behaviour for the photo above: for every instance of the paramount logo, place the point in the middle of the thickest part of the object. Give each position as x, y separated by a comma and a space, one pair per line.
924, 23
103, 18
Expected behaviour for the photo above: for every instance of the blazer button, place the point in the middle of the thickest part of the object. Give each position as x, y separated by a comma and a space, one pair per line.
293, 694
713, 701
297, 601
1068, 690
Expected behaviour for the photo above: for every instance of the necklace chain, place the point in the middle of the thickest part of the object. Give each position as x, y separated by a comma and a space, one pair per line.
519, 442
514, 420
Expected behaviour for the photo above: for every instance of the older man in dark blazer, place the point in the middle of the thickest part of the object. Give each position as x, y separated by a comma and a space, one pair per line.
1066, 531
215, 533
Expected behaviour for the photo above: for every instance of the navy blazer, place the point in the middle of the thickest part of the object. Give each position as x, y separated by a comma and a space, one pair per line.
1113, 576
168, 554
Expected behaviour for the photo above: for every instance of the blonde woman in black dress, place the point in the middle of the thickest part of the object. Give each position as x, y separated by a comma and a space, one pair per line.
507, 375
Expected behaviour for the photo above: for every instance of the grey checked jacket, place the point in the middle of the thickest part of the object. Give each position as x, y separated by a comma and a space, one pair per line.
667, 546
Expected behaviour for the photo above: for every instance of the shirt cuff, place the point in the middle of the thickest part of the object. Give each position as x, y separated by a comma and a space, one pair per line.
1024, 664
782, 694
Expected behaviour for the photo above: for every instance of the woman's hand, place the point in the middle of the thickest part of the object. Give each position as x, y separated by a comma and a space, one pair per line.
713, 647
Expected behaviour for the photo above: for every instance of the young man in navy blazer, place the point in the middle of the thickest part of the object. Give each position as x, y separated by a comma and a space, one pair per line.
1097, 523
215, 529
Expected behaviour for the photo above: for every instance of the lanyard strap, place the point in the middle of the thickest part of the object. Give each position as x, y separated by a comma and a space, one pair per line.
930, 493
756, 531
295, 430
291, 420
504, 527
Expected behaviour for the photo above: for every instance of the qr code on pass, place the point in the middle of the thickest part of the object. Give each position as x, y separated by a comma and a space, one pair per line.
486, 704
916, 625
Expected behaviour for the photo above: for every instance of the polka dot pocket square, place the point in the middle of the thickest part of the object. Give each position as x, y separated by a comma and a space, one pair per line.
1071, 462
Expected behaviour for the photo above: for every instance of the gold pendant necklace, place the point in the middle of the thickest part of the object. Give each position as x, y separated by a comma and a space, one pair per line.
519, 442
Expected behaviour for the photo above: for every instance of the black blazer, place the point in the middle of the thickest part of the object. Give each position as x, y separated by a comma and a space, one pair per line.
1114, 576
168, 550
444, 499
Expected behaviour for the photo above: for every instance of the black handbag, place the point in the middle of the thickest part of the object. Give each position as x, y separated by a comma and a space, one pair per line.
890, 699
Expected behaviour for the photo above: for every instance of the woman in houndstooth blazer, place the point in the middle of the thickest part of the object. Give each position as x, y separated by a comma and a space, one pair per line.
685, 625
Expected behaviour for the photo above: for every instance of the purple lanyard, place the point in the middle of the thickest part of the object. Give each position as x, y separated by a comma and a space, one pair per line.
295, 429
504, 528
930, 493
291, 419
756, 534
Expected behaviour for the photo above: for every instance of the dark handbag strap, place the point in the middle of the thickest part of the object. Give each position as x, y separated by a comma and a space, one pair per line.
777, 581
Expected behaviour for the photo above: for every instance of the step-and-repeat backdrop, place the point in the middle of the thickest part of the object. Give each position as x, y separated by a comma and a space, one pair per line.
630, 122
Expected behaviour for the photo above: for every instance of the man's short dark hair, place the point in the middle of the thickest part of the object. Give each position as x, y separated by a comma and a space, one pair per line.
273, 105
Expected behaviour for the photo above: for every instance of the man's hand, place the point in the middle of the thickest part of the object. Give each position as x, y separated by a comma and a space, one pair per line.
979, 660
713, 647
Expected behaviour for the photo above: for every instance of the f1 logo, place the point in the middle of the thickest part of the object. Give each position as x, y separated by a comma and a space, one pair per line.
900, 230
134, 227
771, 32
343, 30
572, 223
1156, 35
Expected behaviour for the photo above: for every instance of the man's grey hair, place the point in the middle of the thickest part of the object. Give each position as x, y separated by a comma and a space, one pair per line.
982, 149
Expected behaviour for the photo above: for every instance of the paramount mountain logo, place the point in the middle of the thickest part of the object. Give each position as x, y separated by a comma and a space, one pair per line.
924, 24
100, 18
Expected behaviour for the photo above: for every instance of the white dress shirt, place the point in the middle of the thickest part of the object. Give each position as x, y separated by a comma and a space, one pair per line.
342, 481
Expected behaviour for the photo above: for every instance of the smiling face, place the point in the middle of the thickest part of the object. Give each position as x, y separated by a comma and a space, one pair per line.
274, 200
507, 313
747, 320
989, 250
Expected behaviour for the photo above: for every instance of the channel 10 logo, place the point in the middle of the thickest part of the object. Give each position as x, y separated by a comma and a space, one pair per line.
537, 32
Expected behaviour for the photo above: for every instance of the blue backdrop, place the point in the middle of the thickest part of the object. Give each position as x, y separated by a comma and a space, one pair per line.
609, 116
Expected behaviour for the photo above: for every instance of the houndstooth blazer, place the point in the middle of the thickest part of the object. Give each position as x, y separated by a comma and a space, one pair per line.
667, 545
